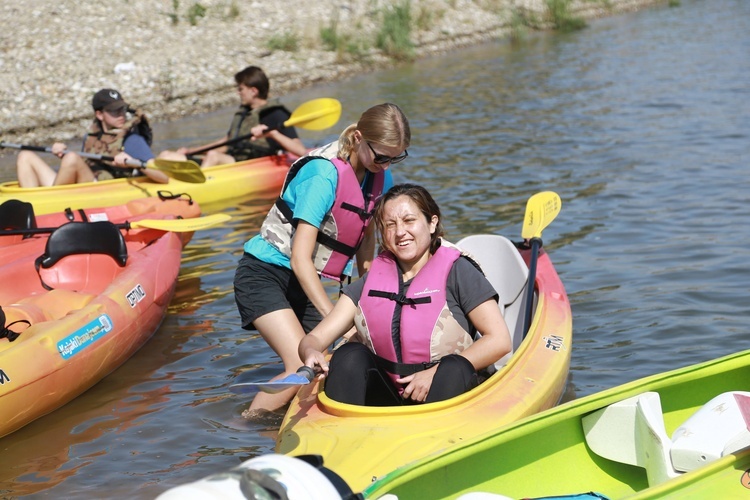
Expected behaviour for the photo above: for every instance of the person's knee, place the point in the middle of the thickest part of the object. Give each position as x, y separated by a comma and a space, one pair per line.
455, 375
25, 161
171, 155
72, 165
24, 157
353, 354
214, 157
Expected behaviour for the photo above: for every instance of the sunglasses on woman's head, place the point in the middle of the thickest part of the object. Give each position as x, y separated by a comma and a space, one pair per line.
381, 159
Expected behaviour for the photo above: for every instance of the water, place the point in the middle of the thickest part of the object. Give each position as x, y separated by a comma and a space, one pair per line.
640, 123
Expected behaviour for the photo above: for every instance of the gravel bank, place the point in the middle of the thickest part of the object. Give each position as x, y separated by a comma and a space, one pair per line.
56, 53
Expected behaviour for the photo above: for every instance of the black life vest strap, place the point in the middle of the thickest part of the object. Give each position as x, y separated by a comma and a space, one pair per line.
402, 369
363, 214
322, 238
5, 331
399, 298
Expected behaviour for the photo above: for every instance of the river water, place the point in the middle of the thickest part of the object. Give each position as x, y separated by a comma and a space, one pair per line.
640, 123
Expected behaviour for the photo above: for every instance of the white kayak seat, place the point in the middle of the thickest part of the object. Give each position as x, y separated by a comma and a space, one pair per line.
717, 429
508, 273
632, 431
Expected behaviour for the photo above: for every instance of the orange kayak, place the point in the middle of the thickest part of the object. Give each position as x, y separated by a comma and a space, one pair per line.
78, 303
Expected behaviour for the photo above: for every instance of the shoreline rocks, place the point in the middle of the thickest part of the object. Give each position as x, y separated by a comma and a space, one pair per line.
176, 58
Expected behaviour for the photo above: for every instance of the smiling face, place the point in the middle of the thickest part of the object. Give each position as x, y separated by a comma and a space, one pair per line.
407, 233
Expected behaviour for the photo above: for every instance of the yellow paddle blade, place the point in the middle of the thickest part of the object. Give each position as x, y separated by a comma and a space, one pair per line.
317, 114
541, 209
181, 170
182, 225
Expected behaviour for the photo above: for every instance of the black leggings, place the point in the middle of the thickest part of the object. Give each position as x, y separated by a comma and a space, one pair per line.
355, 378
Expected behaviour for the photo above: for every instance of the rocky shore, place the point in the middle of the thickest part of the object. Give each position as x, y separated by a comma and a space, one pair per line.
174, 58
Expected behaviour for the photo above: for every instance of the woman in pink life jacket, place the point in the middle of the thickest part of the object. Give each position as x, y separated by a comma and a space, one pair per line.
316, 227
415, 312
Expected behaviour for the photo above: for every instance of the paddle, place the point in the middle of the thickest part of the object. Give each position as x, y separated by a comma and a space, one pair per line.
541, 210
174, 225
181, 170
304, 376
317, 114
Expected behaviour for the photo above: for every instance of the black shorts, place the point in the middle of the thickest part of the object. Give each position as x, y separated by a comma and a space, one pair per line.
261, 288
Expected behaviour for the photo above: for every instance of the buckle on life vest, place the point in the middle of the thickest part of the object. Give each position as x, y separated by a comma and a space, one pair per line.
399, 298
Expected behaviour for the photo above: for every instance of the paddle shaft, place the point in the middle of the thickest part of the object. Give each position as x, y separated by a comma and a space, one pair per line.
317, 114
132, 162
228, 142
536, 243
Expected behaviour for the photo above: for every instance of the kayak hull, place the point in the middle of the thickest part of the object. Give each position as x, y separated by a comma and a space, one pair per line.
364, 443
260, 177
96, 316
546, 454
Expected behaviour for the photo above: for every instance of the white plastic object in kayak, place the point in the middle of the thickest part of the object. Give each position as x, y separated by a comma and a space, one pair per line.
632, 431
718, 429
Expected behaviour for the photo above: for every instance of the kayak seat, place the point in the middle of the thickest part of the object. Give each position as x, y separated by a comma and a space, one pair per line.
92, 251
632, 431
506, 270
17, 214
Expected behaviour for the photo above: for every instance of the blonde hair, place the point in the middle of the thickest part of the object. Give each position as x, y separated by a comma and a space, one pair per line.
383, 124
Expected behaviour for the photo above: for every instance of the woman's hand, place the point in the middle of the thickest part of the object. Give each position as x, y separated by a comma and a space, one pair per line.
317, 361
418, 384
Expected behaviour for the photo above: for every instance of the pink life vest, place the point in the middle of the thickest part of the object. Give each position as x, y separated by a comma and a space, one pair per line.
432, 330
343, 227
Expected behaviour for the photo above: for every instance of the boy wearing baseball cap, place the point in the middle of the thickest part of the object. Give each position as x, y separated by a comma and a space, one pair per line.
116, 131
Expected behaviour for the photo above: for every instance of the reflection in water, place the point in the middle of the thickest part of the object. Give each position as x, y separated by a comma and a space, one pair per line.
639, 123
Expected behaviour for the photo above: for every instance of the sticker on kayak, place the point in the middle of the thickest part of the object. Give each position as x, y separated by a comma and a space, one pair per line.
135, 295
554, 342
3, 377
745, 479
98, 217
84, 337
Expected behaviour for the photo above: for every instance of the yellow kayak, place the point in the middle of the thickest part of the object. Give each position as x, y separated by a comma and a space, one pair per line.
256, 177
362, 443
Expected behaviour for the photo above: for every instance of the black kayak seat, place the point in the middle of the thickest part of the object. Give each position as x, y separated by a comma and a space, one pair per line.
17, 214
76, 238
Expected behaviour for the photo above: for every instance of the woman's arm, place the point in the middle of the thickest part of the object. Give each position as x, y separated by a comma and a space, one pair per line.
136, 147
293, 145
366, 251
495, 340
334, 326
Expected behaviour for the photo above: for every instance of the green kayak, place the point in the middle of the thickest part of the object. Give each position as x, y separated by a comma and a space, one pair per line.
680, 434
